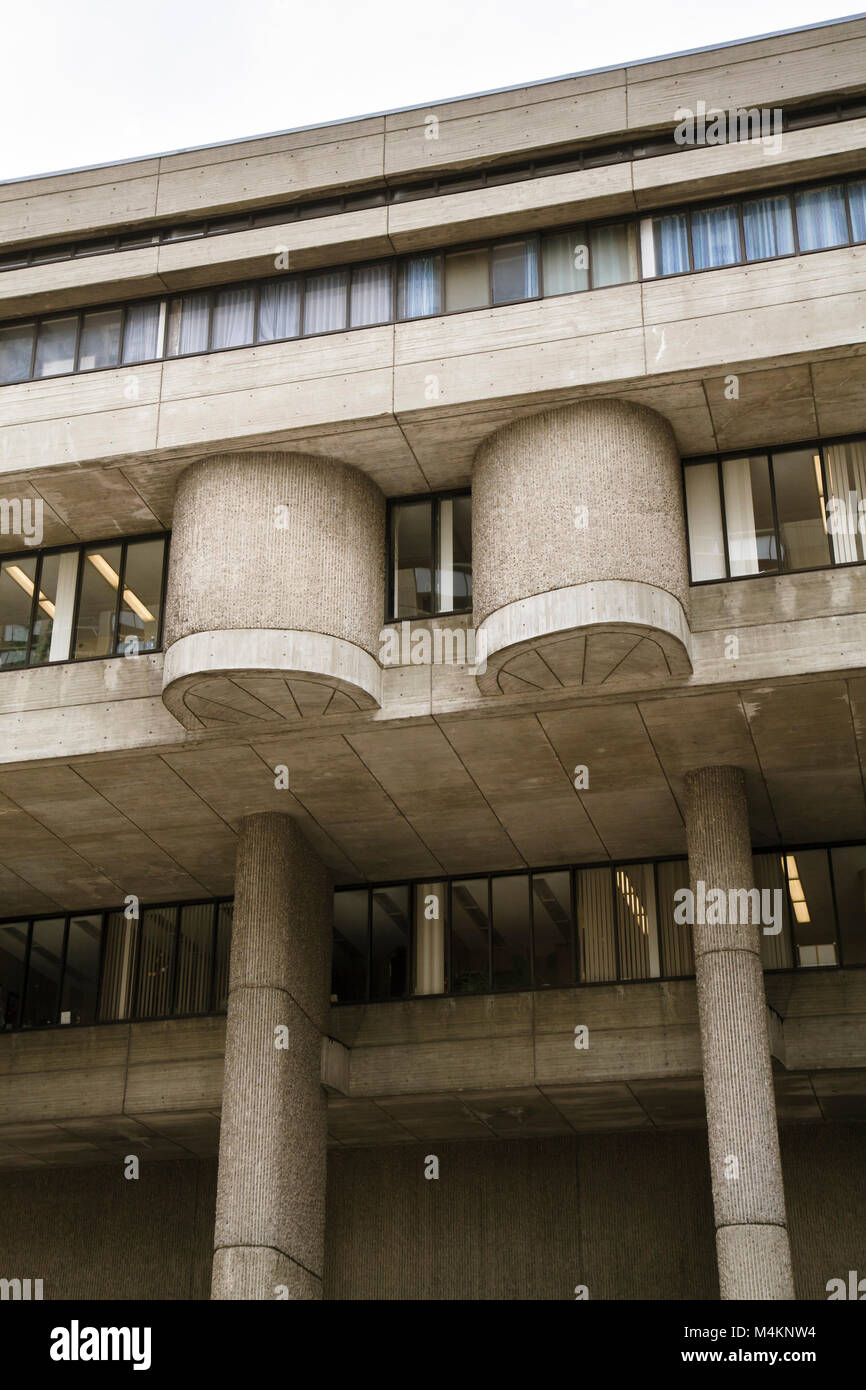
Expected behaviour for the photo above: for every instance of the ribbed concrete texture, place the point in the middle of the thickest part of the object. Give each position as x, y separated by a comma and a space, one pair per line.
746, 1173
275, 594
277, 541
587, 495
270, 1215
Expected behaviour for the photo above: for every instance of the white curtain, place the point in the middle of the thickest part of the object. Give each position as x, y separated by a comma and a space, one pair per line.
716, 237
325, 302
770, 876
371, 296
419, 288
429, 953
193, 324
595, 925
857, 202
564, 269
846, 486
279, 310
233, 317
821, 219
140, 332
704, 511
768, 228
671, 244
740, 516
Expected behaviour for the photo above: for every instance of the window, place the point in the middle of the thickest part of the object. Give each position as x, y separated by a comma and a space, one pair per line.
68, 604
768, 227
418, 287
99, 345
419, 529
565, 262
670, 245
552, 933
55, 346
821, 219
512, 956
613, 255
325, 301
470, 936
857, 203
793, 509
16, 350
515, 270
849, 882
467, 282
351, 946
716, 237
813, 923
389, 956
81, 970
141, 333
13, 959
233, 317
371, 295
636, 922
279, 310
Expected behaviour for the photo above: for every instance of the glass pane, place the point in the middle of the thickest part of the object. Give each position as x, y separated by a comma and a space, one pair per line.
279, 310
140, 332
100, 339
845, 466
194, 958
636, 922
43, 973
565, 262
670, 244
857, 204
100, 580
770, 882
371, 297
678, 957
716, 237
515, 271
511, 950
429, 938
849, 879
225, 912
13, 953
470, 937
551, 929
55, 346
412, 542
81, 972
118, 967
454, 577
768, 227
17, 587
349, 979
325, 302
52, 629
16, 349
704, 512
800, 509
595, 936
418, 291
821, 218
158, 931
390, 942
142, 594
466, 280
749, 516
811, 898
233, 312
195, 314
613, 255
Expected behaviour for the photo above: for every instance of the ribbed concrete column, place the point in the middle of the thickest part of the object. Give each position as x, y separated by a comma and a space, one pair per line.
748, 1197
270, 1212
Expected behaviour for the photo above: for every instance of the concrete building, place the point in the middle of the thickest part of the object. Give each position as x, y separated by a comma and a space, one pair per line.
433, 728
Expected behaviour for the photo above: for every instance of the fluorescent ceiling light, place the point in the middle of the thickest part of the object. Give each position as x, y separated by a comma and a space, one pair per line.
14, 572
131, 600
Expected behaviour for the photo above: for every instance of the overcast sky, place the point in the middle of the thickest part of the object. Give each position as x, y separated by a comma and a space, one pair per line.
90, 81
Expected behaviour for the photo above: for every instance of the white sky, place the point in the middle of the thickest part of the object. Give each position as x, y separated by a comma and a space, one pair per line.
89, 81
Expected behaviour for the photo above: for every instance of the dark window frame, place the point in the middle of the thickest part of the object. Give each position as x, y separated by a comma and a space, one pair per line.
416, 498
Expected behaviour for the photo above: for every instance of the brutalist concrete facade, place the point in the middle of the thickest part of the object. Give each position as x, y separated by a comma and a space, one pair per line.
664, 1116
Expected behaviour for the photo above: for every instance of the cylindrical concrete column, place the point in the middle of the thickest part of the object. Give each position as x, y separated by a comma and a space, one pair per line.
579, 550
276, 590
270, 1212
748, 1197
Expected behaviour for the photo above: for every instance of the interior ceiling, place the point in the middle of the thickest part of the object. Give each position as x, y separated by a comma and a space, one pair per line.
452, 794
776, 405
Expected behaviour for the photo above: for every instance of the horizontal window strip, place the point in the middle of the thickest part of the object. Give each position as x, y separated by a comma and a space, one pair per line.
510, 270
459, 935
789, 510
81, 602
